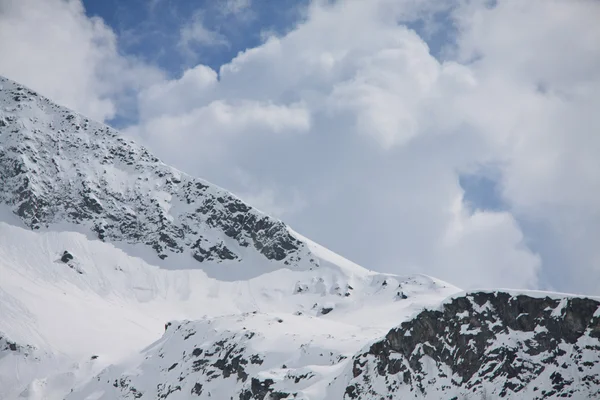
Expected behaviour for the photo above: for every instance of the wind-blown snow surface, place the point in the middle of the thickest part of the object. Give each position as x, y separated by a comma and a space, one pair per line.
108, 304
101, 245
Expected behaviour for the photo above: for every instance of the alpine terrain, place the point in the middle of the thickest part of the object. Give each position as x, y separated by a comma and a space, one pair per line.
124, 278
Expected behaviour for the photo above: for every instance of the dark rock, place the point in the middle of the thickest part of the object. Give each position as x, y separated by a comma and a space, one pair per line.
458, 337
66, 257
197, 389
255, 359
326, 310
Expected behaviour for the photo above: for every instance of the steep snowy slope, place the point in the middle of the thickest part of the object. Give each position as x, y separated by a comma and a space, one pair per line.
253, 354
106, 303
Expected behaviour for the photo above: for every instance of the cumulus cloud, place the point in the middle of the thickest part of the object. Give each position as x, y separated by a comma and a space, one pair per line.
392, 128
53, 47
488, 241
352, 131
538, 87
209, 131
280, 202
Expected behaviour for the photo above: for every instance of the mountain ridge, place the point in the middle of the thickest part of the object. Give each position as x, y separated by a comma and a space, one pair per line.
59, 166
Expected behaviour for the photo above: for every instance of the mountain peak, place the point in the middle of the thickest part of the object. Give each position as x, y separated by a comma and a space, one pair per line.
60, 167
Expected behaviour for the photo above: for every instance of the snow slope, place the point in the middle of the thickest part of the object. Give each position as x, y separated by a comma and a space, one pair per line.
109, 304
102, 244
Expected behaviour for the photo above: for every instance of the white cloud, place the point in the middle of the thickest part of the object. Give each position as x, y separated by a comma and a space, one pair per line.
178, 96
351, 110
547, 82
542, 49
268, 197
208, 133
51, 46
194, 33
539, 87
392, 127
486, 241
234, 7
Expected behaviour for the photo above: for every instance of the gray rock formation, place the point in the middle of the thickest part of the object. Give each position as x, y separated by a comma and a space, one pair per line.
60, 167
508, 346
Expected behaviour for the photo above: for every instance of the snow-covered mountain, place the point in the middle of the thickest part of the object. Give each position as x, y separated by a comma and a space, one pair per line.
59, 167
124, 278
487, 344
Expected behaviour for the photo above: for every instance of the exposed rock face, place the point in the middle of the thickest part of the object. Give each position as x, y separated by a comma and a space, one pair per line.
59, 167
487, 344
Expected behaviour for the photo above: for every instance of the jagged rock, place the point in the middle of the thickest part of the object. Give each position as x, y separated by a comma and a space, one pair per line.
61, 167
66, 257
7, 346
487, 340
326, 310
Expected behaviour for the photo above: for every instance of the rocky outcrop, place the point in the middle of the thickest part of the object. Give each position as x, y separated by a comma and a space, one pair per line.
497, 344
60, 167
7, 347
205, 360
66, 257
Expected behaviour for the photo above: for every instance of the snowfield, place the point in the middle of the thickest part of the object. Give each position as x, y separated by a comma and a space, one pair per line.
108, 304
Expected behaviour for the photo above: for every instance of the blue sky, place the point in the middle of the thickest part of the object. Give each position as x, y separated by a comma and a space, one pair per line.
150, 29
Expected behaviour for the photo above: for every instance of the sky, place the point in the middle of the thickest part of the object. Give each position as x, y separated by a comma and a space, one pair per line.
457, 139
